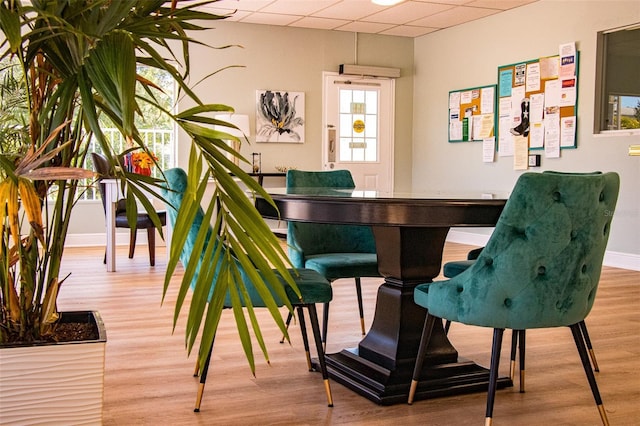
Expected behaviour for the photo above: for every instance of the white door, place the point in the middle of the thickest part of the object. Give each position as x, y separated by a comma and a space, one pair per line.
358, 117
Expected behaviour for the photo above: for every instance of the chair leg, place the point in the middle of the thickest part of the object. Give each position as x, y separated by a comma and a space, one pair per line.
514, 349
305, 339
132, 243
313, 317
584, 357
587, 340
447, 326
203, 378
429, 321
325, 323
286, 324
360, 307
521, 344
151, 241
493, 373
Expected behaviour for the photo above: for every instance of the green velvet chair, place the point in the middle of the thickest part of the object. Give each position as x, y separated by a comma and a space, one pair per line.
540, 268
455, 267
336, 251
313, 286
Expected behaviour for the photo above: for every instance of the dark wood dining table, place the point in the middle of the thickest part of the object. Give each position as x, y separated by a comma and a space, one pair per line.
410, 230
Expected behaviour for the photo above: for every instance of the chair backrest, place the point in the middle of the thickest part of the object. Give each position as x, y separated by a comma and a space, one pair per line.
174, 194
306, 239
542, 264
177, 185
101, 165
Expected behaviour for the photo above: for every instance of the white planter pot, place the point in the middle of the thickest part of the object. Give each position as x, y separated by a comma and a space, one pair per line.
59, 383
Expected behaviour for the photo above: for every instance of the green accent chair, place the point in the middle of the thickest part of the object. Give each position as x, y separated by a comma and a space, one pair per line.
541, 268
453, 268
143, 220
335, 251
313, 287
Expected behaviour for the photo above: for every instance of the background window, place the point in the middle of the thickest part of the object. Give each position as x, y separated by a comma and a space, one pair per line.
617, 80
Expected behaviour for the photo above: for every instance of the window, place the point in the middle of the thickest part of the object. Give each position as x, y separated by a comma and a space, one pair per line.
156, 129
617, 80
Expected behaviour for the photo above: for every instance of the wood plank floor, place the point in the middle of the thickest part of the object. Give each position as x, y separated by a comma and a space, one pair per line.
149, 376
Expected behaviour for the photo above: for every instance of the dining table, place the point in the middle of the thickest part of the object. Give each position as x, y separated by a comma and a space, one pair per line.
410, 229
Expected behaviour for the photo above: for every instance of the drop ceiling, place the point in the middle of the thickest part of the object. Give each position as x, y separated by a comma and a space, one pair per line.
411, 18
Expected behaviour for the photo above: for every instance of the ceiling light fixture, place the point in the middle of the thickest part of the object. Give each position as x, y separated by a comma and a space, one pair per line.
386, 2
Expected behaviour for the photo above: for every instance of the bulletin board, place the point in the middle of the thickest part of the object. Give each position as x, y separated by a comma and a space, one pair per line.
472, 114
538, 99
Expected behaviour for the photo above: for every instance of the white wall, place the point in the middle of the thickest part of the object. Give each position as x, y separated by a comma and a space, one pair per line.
469, 55
465, 56
293, 59
279, 58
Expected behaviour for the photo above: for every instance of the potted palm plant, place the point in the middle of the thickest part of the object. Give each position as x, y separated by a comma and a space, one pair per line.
76, 65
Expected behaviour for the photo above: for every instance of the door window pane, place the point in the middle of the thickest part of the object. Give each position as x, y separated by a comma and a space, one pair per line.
358, 133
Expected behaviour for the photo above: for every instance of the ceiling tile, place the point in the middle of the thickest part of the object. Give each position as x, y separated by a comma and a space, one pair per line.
250, 5
270, 19
499, 4
234, 15
406, 12
319, 23
453, 17
365, 27
450, 2
408, 31
350, 9
298, 7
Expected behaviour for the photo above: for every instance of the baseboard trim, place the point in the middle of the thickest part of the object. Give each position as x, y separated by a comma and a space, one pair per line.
96, 240
611, 258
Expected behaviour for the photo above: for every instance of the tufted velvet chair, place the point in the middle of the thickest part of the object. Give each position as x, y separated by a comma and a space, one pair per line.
540, 268
143, 221
453, 268
336, 251
313, 286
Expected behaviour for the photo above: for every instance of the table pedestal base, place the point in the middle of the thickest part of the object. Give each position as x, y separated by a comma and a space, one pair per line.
387, 387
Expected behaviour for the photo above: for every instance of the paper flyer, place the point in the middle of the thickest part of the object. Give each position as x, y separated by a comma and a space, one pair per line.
567, 131
533, 77
487, 100
567, 60
488, 149
552, 135
521, 153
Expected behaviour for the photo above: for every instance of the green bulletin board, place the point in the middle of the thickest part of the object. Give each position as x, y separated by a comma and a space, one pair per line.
537, 100
472, 114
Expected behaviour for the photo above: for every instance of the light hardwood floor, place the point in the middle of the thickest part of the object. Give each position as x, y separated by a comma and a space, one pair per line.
149, 378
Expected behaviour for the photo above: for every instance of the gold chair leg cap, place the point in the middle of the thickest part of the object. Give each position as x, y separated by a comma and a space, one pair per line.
592, 354
327, 388
603, 415
412, 391
199, 398
488, 421
309, 365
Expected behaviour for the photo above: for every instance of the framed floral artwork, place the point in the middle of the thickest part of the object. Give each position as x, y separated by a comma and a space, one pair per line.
279, 116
